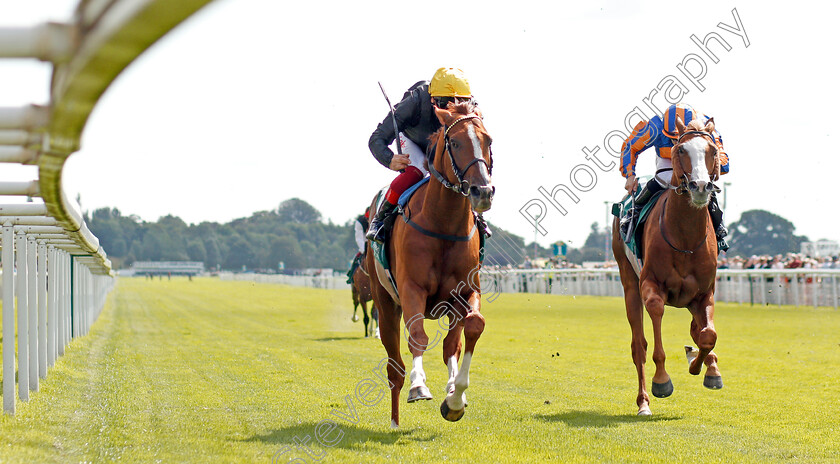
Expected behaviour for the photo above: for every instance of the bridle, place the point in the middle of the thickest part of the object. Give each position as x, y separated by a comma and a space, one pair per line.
684, 181
462, 187
683, 188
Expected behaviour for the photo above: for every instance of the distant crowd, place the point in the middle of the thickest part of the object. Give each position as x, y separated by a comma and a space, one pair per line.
788, 261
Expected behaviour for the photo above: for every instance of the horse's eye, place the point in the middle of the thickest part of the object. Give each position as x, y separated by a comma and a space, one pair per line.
455, 145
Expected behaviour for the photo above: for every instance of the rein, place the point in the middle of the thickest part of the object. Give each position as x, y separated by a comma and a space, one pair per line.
463, 186
665, 236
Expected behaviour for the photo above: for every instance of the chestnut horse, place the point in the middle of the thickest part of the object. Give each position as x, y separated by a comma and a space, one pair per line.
434, 254
679, 252
361, 295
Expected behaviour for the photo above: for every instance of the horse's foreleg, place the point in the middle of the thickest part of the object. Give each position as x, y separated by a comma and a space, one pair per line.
654, 302
453, 405
702, 330
704, 335
355, 303
452, 352
414, 304
366, 318
638, 344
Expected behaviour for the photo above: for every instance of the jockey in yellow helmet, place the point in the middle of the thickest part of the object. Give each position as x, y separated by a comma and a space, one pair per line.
416, 121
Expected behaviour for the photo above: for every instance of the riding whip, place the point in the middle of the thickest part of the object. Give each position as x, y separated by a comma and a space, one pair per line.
393, 118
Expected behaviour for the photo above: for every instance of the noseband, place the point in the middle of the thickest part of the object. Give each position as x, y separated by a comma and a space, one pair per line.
463, 187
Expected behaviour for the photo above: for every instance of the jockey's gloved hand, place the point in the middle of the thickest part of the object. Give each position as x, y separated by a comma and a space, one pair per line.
399, 162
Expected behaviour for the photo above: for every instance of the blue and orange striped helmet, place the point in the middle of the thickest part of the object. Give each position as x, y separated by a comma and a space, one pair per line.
669, 119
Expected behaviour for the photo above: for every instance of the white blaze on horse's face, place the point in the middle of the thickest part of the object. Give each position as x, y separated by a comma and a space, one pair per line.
477, 153
481, 193
699, 177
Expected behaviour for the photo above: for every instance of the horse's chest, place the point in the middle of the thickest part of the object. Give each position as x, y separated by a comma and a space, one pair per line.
681, 290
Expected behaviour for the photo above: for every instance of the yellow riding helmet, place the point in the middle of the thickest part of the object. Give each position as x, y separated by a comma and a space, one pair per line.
449, 82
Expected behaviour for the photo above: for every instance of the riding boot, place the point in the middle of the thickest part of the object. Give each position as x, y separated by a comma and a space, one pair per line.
356, 261
651, 187
376, 232
717, 223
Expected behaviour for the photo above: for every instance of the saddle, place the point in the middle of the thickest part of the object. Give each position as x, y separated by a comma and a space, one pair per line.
380, 250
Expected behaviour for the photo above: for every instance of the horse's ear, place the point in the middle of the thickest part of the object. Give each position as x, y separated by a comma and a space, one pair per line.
680, 125
442, 115
710, 126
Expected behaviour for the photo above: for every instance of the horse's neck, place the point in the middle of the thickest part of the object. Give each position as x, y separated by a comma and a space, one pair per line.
445, 211
684, 220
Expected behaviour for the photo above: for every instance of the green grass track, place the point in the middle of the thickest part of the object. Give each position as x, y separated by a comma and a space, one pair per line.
210, 371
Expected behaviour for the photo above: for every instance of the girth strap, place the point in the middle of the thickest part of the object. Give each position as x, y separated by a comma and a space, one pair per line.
451, 238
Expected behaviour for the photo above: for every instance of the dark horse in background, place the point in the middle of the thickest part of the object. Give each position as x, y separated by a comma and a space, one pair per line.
434, 253
360, 288
679, 252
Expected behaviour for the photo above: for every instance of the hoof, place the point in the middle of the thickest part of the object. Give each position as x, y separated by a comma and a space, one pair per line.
355, 318
713, 382
644, 411
450, 415
394, 424
662, 390
420, 392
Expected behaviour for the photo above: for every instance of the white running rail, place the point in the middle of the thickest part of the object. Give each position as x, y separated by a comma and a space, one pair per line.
52, 264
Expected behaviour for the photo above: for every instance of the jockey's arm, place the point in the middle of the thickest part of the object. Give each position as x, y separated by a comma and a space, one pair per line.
640, 140
406, 113
722, 156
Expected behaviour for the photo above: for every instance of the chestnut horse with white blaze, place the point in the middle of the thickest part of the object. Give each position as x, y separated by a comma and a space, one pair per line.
679, 252
434, 254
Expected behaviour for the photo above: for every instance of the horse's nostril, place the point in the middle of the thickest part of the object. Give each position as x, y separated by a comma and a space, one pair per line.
482, 192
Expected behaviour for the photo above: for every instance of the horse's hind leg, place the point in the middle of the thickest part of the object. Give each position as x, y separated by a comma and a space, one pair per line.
389, 317
704, 335
661, 385
638, 344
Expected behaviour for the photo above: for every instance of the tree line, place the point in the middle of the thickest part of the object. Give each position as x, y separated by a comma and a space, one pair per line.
295, 235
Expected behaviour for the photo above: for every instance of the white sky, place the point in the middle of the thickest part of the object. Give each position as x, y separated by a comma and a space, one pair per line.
252, 102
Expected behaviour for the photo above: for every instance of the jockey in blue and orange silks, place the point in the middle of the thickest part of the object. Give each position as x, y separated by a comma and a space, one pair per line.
661, 133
